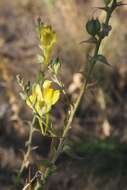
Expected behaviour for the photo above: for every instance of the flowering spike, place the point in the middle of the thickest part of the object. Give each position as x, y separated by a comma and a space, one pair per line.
47, 41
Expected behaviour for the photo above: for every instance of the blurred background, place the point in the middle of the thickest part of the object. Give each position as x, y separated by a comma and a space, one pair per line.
97, 156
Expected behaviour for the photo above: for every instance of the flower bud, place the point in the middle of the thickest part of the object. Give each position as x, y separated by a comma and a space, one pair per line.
93, 26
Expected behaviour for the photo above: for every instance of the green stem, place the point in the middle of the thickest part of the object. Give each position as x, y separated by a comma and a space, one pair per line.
29, 146
47, 122
83, 89
41, 123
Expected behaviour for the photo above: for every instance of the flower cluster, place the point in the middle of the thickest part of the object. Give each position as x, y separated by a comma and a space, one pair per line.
43, 97
47, 41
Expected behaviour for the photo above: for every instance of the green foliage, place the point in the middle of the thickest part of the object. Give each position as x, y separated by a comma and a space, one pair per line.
102, 59
56, 64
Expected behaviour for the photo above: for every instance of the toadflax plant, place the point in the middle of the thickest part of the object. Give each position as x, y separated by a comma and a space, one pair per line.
42, 95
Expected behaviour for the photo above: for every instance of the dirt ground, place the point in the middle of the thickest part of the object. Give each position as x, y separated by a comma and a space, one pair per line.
99, 135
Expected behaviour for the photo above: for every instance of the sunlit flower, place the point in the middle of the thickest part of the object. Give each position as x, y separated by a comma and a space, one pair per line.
42, 97
47, 41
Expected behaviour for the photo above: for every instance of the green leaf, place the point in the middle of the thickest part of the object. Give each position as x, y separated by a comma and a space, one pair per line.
40, 77
56, 65
102, 59
90, 40
103, 8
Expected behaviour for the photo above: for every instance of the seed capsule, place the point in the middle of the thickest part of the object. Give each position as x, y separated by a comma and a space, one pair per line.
93, 26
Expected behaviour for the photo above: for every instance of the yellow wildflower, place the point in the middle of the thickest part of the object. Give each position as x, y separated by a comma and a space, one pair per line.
47, 41
50, 95
43, 97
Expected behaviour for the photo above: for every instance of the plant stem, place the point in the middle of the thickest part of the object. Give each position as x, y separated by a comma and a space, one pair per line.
83, 88
29, 146
73, 109
47, 122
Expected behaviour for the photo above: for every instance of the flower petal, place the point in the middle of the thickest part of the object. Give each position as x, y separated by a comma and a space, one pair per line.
55, 96
47, 84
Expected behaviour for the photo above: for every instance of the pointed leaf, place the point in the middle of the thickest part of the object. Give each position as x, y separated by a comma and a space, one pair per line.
102, 59
56, 65
103, 8
90, 40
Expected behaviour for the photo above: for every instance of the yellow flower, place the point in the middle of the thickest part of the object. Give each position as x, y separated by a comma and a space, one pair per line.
42, 98
47, 41
50, 95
